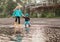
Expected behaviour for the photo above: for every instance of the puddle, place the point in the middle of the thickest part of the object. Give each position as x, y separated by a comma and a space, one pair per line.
38, 33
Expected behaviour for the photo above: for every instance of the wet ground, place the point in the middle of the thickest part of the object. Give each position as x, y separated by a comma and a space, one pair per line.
41, 30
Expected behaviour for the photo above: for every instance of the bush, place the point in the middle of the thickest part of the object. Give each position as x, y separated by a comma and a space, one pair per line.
50, 15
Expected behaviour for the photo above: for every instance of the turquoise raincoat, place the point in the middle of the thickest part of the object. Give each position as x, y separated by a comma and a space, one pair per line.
17, 12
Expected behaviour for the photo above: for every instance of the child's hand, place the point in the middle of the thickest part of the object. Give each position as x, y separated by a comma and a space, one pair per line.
23, 16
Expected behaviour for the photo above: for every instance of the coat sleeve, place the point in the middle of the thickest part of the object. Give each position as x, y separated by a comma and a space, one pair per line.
21, 13
13, 14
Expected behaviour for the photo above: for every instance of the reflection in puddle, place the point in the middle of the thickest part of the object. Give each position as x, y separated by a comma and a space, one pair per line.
18, 38
27, 30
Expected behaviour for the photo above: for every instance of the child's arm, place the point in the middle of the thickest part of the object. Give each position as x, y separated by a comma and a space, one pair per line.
23, 16
13, 14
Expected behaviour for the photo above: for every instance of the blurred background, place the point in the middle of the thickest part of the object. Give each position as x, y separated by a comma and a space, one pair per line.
36, 8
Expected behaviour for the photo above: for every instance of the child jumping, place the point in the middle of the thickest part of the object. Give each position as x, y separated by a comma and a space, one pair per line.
17, 14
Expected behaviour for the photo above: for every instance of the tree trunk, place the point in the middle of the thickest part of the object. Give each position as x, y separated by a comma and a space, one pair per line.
4, 7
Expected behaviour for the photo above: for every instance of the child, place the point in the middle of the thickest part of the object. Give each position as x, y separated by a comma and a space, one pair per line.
27, 20
17, 14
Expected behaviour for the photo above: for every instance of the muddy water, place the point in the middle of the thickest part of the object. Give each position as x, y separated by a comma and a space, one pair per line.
38, 33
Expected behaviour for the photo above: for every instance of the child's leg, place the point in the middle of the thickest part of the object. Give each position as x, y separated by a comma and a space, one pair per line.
15, 19
18, 20
29, 23
25, 24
